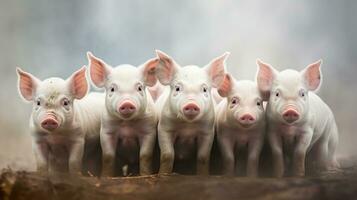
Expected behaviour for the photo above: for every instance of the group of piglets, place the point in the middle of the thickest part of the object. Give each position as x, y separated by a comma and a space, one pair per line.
161, 117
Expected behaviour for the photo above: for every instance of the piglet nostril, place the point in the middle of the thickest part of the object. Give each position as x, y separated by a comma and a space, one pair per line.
49, 123
291, 116
246, 119
191, 110
127, 108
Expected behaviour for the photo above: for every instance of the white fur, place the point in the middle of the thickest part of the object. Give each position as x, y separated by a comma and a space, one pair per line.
231, 135
139, 127
174, 127
314, 133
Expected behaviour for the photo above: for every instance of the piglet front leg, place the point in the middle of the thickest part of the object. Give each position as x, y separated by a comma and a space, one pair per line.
41, 151
227, 152
203, 153
303, 142
254, 149
109, 145
76, 157
146, 153
167, 152
277, 153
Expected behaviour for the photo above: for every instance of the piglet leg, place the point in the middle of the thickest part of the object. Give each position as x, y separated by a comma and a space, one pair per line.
203, 153
303, 142
146, 153
76, 157
109, 144
167, 152
254, 149
227, 152
41, 151
277, 153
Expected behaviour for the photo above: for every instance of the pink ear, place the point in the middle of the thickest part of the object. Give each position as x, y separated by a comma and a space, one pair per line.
226, 86
265, 78
216, 69
313, 76
27, 84
166, 69
149, 71
98, 70
78, 83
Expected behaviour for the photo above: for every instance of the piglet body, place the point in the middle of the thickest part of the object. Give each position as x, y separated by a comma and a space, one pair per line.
63, 119
300, 123
240, 125
128, 129
186, 112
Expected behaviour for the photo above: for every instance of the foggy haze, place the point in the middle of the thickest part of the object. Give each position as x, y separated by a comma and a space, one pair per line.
51, 38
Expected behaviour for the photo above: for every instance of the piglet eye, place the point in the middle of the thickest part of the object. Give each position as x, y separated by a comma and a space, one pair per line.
302, 93
234, 101
112, 89
177, 88
140, 88
277, 94
204, 89
65, 102
259, 103
38, 102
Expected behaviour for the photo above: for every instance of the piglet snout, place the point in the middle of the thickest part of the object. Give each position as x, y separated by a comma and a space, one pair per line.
50, 123
191, 110
127, 108
247, 119
291, 115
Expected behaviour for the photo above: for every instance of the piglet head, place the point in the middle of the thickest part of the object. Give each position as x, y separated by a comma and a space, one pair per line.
190, 96
244, 102
125, 85
52, 98
288, 90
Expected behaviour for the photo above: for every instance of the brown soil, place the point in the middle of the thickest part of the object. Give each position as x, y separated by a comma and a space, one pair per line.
27, 185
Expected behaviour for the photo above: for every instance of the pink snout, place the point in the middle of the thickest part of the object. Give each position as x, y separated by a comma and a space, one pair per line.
291, 115
247, 119
191, 110
126, 108
50, 123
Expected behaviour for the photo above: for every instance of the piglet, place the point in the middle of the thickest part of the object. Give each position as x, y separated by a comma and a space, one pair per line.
128, 130
186, 111
299, 121
63, 119
240, 124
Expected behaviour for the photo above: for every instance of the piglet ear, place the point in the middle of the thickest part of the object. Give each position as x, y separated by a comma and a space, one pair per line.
216, 69
27, 84
313, 76
226, 86
98, 70
149, 71
166, 68
265, 77
78, 83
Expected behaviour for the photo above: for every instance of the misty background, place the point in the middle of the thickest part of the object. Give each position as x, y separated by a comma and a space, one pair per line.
51, 38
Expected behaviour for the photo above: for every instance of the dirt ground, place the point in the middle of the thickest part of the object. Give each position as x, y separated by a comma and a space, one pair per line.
340, 185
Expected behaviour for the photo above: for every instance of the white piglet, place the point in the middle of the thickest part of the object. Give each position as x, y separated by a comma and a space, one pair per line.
186, 111
299, 122
63, 119
240, 124
128, 130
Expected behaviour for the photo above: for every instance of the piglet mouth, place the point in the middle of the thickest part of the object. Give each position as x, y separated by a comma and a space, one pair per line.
50, 122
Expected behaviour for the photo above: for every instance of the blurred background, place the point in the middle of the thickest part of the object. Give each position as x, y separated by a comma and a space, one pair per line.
50, 38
